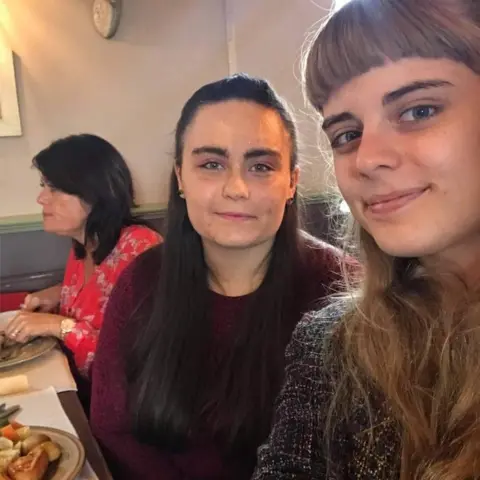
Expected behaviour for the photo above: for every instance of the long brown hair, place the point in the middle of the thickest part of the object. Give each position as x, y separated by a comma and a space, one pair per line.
425, 330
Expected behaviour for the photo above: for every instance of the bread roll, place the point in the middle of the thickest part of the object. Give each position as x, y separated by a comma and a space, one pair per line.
12, 385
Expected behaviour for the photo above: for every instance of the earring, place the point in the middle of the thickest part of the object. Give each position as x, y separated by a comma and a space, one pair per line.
180, 193
290, 201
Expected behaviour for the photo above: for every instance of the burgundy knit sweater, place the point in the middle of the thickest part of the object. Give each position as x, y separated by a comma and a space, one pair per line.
128, 458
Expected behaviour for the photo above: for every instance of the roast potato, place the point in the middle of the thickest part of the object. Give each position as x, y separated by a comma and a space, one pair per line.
32, 441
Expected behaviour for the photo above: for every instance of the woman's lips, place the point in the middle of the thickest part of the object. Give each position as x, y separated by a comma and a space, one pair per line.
236, 216
392, 202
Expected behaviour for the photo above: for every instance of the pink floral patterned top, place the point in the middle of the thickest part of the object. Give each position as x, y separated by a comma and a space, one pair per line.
85, 302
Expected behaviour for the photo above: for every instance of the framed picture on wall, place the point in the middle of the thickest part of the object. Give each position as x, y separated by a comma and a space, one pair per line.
10, 125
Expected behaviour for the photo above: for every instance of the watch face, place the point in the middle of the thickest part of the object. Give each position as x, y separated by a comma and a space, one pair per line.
66, 326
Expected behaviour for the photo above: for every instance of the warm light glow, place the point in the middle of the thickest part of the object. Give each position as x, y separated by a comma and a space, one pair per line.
5, 31
340, 3
3, 13
344, 208
5, 21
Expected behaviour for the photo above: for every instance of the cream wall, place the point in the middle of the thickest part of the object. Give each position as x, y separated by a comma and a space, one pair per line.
130, 89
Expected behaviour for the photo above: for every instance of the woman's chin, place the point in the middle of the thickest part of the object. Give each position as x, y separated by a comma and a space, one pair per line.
240, 242
49, 227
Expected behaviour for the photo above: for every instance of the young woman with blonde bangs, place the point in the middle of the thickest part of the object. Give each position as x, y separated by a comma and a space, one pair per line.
385, 382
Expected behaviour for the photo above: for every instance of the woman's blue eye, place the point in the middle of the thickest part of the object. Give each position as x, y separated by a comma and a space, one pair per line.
422, 112
345, 138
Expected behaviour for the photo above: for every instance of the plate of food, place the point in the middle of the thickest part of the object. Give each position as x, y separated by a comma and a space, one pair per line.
39, 453
13, 353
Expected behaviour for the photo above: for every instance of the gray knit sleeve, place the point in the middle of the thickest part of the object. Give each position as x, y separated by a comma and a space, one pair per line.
294, 448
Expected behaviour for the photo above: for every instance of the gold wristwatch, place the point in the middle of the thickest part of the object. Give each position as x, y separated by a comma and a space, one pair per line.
66, 326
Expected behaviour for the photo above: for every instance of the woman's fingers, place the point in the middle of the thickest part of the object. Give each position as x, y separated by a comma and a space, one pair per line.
14, 324
26, 325
31, 303
23, 335
17, 328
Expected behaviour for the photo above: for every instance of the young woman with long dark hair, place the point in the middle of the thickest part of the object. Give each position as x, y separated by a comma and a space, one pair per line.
194, 338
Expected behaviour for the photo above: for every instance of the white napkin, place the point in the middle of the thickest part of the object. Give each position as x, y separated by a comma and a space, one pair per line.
43, 409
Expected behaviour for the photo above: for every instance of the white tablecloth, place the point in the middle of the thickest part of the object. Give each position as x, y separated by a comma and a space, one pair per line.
49, 370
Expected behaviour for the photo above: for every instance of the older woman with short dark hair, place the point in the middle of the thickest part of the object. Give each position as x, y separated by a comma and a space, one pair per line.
86, 194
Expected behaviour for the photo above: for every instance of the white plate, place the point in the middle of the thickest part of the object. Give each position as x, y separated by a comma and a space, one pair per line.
29, 351
71, 462
5, 317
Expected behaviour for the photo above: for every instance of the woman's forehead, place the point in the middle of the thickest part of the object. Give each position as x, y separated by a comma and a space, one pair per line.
236, 122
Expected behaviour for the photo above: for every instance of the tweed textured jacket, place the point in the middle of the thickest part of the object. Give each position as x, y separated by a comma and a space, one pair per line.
296, 448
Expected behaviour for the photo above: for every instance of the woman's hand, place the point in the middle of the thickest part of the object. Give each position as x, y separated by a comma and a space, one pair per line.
26, 325
44, 300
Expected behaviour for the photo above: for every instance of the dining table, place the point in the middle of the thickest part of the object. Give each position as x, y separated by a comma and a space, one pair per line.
50, 373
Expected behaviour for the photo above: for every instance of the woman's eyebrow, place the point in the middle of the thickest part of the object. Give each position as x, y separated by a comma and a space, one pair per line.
413, 87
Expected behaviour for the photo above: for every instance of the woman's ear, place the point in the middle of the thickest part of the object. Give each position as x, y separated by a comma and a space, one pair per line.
178, 174
294, 176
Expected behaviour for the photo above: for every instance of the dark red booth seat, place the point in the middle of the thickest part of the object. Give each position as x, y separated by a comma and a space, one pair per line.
11, 301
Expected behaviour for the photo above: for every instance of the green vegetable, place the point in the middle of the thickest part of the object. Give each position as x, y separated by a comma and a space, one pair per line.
5, 414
